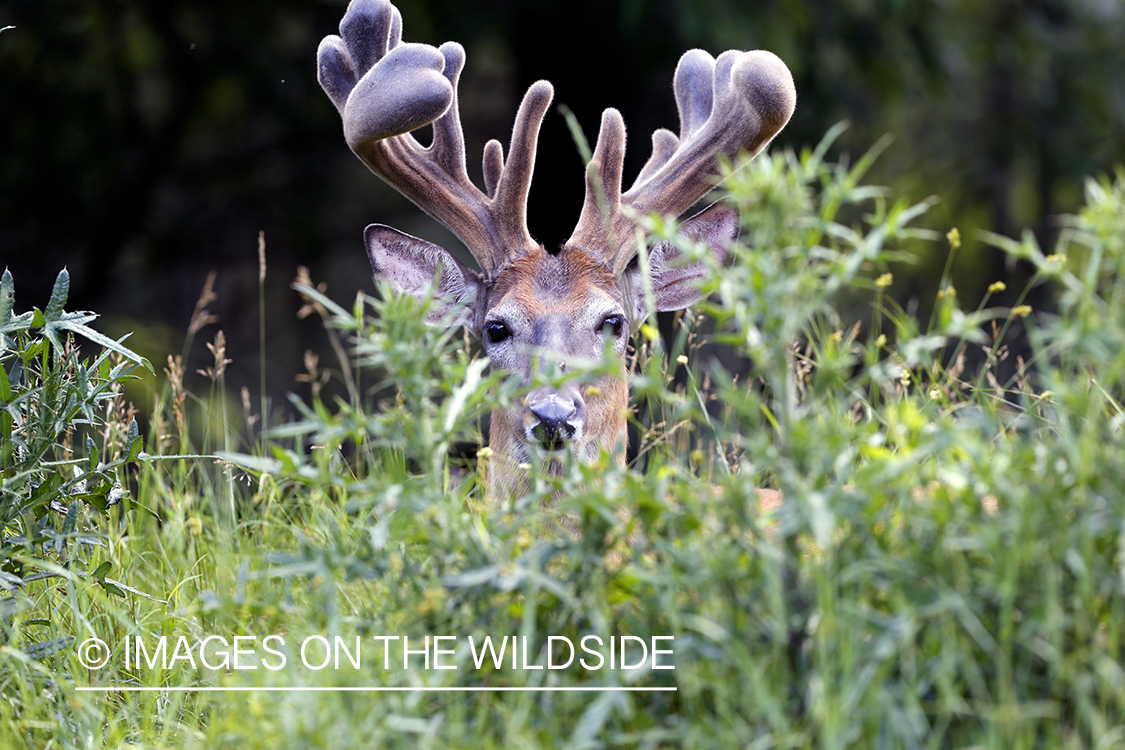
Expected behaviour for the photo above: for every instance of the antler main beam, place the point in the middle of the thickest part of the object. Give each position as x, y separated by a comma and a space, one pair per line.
385, 88
735, 103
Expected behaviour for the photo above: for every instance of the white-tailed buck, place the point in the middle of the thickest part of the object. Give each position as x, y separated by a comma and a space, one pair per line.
530, 306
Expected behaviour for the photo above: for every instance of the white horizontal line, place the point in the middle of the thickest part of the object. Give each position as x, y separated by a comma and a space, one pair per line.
124, 689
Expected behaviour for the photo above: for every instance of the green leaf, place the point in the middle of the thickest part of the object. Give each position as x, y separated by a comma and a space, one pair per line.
253, 463
78, 317
286, 464
96, 498
7, 297
9, 605
59, 294
101, 571
120, 588
134, 441
5, 386
43, 649
71, 520
99, 338
22, 322
93, 455
111, 588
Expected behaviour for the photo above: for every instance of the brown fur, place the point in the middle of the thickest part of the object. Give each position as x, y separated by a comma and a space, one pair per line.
542, 285
539, 279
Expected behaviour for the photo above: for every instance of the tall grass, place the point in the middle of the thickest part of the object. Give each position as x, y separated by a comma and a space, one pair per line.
945, 569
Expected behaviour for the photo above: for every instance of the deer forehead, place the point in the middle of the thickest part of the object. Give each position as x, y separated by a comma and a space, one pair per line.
568, 286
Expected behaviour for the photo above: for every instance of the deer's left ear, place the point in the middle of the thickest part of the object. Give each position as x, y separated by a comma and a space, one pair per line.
675, 284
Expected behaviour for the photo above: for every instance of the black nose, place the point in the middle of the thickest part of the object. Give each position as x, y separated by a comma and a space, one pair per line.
554, 426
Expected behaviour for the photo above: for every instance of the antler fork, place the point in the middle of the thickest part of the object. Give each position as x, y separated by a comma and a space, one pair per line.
738, 102
385, 88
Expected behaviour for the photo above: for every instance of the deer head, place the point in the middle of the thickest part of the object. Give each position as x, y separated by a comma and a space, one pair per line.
532, 308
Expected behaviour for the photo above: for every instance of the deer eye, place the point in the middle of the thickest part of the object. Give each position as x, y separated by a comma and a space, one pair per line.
497, 332
614, 323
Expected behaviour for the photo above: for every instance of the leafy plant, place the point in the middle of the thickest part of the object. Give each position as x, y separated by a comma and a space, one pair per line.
939, 566
65, 440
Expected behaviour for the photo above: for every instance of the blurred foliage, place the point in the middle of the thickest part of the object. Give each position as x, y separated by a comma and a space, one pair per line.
148, 143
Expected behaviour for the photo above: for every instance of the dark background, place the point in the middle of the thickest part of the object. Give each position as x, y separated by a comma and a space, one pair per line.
143, 144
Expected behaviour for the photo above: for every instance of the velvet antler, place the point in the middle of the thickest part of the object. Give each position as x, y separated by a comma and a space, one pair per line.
385, 88
738, 102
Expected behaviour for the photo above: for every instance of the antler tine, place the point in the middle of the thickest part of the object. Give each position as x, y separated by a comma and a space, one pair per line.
525, 139
514, 182
493, 166
385, 88
602, 220
447, 149
738, 102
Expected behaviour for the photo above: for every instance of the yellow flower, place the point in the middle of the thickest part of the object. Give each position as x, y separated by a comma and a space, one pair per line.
1021, 311
432, 599
997, 286
884, 281
954, 237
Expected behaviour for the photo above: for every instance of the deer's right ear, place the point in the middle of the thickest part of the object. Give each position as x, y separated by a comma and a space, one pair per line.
411, 266
675, 284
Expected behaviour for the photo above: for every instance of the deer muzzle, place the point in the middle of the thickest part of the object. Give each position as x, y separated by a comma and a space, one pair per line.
552, 419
